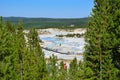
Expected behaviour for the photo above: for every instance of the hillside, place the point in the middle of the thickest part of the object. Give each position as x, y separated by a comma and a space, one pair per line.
49, 22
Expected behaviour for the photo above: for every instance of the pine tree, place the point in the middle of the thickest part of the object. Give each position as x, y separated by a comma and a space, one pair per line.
12, 61
38, 61
62, 72
33, 39
114, 31
53, 70
80, 72
0, 21
98, 54
8, 51
73, 70
21, 47
18, 60
42, 68
10, 27
4, 50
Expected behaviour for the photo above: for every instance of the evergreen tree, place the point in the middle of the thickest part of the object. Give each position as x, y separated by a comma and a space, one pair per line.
80, 72
62, 72
114, 31
12, 61
10, 27
73, 70
38, 61
53, 70
0, 21
33, 39
18, 60
4, 50
98, 54
21, 46
9, 59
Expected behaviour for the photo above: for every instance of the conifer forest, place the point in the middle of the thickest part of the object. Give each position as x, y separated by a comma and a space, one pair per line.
22, 57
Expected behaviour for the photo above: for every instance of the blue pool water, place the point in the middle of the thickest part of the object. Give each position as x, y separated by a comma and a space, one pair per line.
56, 41
50, 39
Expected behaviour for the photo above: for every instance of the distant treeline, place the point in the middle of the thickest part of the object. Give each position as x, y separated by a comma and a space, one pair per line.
71, 35
49, 22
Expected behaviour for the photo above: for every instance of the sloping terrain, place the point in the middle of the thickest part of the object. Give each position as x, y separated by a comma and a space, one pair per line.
49, 22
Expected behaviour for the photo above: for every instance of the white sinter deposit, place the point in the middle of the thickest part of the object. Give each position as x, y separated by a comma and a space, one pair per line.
66, 48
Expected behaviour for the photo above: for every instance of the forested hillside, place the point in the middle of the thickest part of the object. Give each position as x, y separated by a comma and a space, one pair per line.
49, 22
